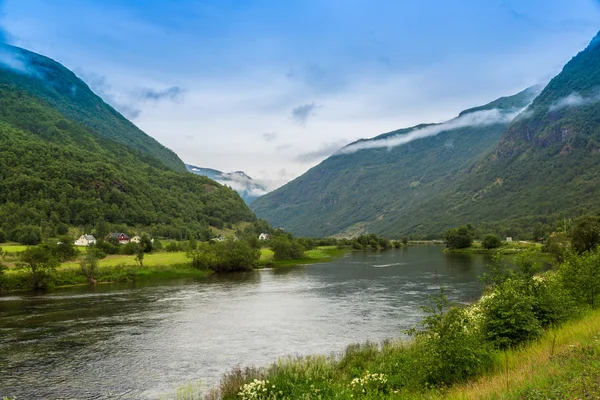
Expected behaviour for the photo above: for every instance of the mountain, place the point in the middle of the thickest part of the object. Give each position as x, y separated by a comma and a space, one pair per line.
246, 187
367, 186
61, 164
522, 178
49, 81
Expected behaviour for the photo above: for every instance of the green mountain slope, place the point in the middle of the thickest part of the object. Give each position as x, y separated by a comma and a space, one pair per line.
546, 166
56, 170
366, 190
51, 82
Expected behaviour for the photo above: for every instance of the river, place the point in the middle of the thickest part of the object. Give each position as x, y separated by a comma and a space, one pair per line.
140, 341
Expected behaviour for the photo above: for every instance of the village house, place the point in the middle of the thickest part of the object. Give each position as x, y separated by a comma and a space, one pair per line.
136, 239
264, 236
118, 236
85, 240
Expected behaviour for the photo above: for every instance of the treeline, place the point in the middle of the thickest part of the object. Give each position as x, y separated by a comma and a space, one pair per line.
56, 172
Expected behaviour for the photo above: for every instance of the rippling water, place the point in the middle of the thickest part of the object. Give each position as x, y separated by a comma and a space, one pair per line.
142, 340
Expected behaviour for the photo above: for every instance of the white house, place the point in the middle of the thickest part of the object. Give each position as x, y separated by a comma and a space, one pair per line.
85, 240
508, 239
264, 236
136, 239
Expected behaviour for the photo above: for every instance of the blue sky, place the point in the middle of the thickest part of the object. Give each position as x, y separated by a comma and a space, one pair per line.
272, 87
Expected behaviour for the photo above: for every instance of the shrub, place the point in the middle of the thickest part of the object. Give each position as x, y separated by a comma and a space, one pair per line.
40, 264
2, 236
508, 314
89, 266
172, 247
459, 238
285, 249
62, 229
491, 241
580, 275
451, 348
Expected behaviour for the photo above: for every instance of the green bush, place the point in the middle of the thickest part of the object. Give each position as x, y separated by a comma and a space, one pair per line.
450, 348
285, 249
491, 241
2, 236
459, 238
40, 264
580, 275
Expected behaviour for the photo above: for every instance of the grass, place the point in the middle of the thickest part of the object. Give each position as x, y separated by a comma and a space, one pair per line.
563, 364
150, 260
507, 248
317, 255
12, 248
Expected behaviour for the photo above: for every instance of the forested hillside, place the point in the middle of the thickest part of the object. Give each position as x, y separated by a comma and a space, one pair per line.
59, 88
57, 171
369, 189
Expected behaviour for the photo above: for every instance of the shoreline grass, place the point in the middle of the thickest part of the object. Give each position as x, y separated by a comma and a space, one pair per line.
319, 254
65, 276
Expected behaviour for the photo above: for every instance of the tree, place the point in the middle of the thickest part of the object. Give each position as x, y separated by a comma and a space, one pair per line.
580, 275
2, 236
40, 263
139, 255
285, 249
62, 229
491, 241
89, 265
585, 235
459, 238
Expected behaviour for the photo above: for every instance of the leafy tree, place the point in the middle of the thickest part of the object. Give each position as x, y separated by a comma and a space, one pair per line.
139, 255
491, 241
285, 249
89, 265
40, 263
62, 229
580, 275
585, 235
146, 243
451, 348
2, 236
459, 238
64, 250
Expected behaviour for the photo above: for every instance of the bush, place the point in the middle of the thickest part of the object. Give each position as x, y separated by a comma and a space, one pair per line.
580, 275
585, 235
508, 314
172, 247
2, 236
491, 241
40, 264
224, 256
89, 266
450, 348
459, 238
62, 229
285, 249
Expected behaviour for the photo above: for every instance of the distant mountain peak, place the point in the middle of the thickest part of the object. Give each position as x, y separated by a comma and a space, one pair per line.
248, 188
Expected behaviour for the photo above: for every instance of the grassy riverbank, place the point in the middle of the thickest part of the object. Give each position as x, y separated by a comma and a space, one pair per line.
507, 248
564, 363
319, 254
111, 270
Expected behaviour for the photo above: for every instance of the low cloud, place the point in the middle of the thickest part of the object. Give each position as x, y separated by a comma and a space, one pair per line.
573, 100
269, 136
324, 151
478, 118
174, 93
13, 59
302, 113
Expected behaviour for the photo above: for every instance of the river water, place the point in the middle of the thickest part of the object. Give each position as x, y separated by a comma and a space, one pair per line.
140, 341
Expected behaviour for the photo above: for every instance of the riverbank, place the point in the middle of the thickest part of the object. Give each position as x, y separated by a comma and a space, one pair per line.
319, 254
507, 248
563, 363
70, 275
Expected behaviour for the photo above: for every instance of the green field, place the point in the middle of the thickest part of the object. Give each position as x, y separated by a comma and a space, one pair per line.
12, 248
150, 260
317, 255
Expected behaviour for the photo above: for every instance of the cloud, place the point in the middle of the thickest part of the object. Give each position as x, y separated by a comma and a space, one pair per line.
269, 136
282, 147
174, 93
572, 100
324, 151
302, 113
477, 118
13, 59
99, 85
